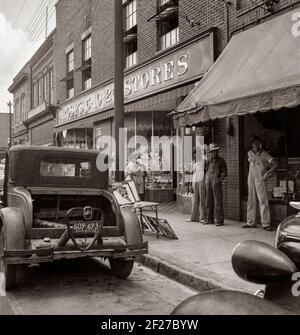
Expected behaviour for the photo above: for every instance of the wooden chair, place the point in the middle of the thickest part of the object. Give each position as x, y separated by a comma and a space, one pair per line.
127, 195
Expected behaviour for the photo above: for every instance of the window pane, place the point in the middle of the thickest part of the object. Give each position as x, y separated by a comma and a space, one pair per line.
71, 93
170, 38
51, 99
87, 47
70, 61
87, 83
130, 15
41, 89
54, 168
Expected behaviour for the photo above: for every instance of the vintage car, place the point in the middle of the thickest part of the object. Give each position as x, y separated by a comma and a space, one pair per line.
57, 205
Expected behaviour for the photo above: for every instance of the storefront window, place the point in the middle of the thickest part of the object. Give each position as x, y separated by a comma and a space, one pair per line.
185, 171
81, 138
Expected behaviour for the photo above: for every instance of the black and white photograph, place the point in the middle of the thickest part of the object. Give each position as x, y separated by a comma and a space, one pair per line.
149, 160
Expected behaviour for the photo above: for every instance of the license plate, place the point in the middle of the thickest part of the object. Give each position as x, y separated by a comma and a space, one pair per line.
81, 226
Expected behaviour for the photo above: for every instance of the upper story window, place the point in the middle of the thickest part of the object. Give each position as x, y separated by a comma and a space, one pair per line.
35, 94
86, 67
51, 83
130, 54
168, 23
46, 87
70, 74
87, 48
70, 61
17, 112
130, 37
70, 90
41, 90
130, 14
23, 110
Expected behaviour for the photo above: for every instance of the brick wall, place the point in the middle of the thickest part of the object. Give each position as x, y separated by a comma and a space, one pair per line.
75, 16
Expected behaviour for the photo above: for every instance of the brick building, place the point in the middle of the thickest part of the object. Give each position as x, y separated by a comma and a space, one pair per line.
165, 55
169, 46
34, 98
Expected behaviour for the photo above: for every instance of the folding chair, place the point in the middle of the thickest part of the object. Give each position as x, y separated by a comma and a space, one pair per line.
128, 195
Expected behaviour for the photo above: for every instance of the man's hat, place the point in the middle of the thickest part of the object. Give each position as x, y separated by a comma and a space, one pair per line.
213, 147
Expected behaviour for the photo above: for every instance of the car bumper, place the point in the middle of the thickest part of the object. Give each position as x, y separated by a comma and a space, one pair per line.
49, 254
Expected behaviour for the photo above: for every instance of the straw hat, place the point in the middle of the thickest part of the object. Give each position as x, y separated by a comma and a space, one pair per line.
213, 147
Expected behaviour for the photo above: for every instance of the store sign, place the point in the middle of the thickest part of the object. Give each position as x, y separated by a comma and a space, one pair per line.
188, 63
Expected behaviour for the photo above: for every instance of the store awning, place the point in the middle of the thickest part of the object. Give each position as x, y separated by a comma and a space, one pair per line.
259, 70
165, 101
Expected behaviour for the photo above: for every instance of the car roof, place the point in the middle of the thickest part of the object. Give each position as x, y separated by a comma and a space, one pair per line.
23, 148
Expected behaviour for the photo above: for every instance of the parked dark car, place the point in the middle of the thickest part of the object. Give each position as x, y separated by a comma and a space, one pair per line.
288, 236
57, 205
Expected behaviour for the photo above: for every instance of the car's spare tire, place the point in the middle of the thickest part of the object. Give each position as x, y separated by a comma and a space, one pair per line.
121, 267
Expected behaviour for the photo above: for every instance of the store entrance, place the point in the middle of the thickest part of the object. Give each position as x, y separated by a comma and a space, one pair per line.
279, 132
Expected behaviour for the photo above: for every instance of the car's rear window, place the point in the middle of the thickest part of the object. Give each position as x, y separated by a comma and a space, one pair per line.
57, 167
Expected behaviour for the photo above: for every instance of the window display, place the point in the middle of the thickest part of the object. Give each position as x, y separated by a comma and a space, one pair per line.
184, 175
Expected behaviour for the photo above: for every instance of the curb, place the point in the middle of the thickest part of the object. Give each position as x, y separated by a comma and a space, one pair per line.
175, 273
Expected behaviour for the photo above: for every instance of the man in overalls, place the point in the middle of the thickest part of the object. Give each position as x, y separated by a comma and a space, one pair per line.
259, 160
215, 173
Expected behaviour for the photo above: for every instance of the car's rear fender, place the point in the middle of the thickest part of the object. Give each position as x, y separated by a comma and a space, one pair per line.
19, 197
12, 221
127, 220
132, 230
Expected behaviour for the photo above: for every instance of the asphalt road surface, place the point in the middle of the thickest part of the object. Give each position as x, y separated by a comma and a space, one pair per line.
86, 286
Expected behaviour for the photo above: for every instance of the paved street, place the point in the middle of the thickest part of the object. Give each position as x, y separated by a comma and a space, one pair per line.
86, 286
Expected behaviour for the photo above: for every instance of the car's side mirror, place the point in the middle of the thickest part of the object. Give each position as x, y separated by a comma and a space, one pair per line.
261, 263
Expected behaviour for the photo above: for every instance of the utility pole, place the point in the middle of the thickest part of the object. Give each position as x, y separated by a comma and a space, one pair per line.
9, 104
119, 87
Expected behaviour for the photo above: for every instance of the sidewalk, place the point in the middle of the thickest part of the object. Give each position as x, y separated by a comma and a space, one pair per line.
201, 257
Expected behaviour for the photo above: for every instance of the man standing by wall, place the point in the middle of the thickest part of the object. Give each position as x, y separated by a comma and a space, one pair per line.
199, 195
257, 184
216, 172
